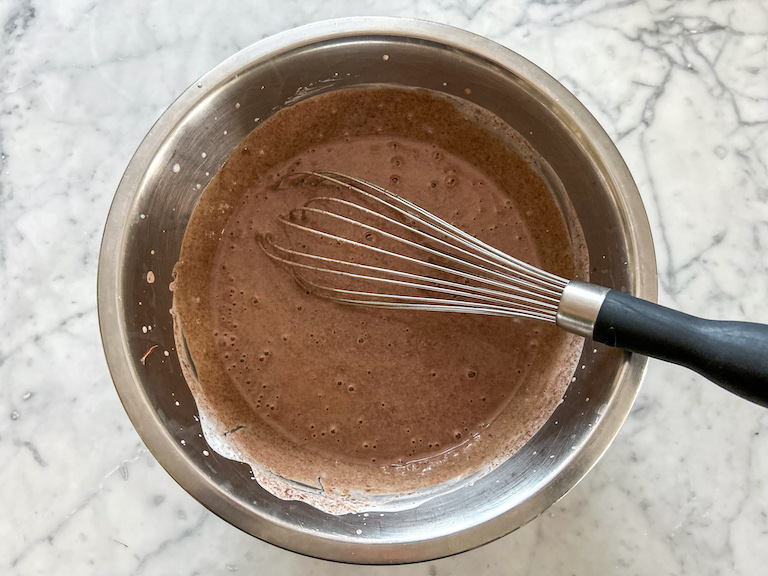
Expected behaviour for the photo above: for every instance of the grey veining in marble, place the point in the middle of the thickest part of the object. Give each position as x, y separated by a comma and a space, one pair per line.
682, 86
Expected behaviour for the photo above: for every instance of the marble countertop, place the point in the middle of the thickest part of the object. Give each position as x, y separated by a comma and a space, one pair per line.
682, 87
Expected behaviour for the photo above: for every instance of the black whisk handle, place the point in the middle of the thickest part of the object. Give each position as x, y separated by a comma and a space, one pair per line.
733, 355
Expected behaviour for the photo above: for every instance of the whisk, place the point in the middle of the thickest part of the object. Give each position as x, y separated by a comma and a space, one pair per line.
363, 245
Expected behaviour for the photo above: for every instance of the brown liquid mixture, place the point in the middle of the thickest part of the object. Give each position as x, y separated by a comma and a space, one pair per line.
354, 399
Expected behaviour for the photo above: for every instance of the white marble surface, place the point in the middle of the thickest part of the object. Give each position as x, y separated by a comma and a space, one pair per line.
681, 86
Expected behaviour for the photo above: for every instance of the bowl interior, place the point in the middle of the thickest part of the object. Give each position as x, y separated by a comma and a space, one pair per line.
183, 152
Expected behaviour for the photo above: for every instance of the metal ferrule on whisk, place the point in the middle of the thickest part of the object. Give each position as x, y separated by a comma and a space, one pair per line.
579, 306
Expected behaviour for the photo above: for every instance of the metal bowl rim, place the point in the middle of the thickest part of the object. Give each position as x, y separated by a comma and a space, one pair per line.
145, 419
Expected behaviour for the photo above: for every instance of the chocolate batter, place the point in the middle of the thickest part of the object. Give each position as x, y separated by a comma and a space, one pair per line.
355, 400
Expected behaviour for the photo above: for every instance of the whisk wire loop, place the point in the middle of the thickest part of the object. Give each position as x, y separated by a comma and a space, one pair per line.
434, 266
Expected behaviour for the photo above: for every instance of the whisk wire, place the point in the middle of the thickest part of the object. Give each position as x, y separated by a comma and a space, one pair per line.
478, 277
428, 219
506, 280
438, 284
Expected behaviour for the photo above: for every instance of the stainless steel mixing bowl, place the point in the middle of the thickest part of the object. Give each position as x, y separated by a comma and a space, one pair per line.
193, 138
